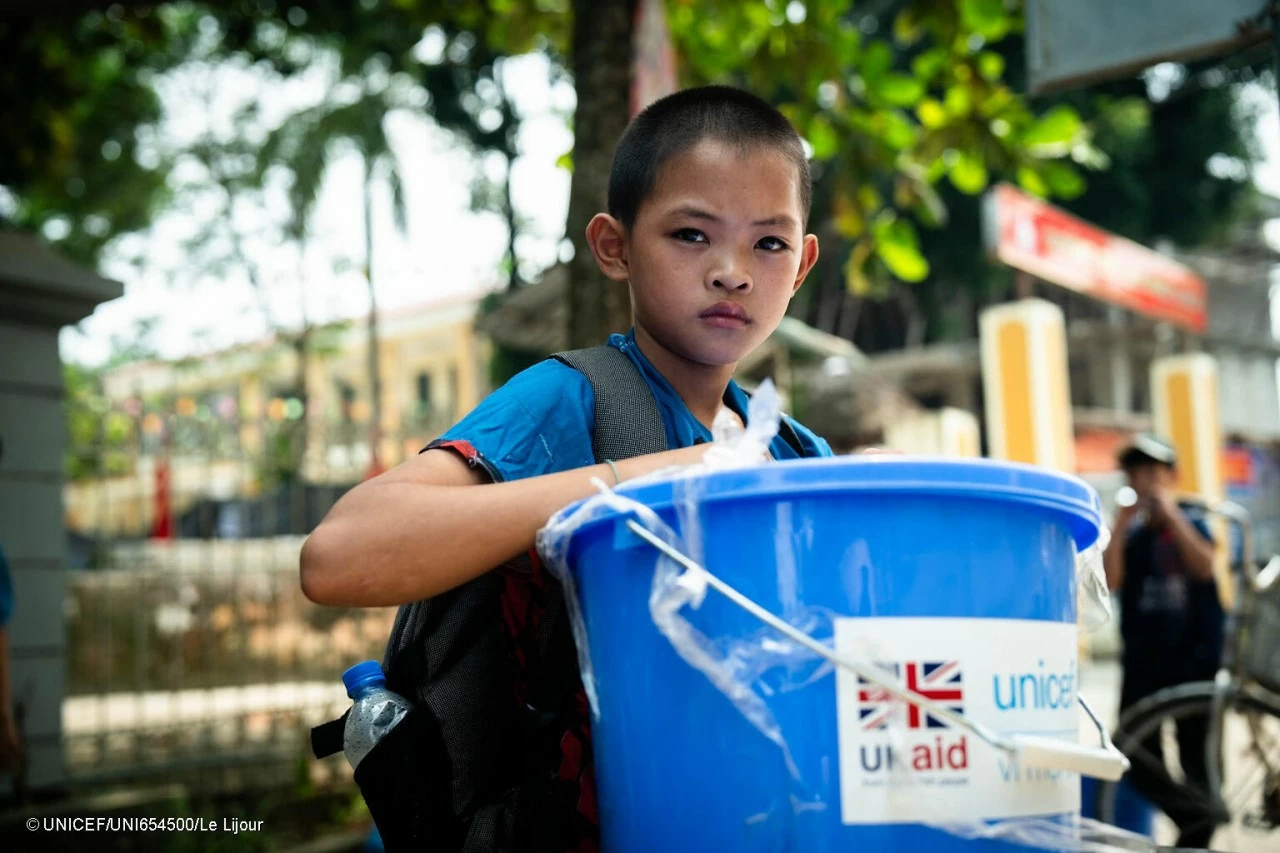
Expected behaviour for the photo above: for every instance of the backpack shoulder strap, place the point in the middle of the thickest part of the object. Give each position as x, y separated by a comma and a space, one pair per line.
628, 421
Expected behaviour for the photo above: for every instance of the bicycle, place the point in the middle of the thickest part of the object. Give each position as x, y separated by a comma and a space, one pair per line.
1232, 792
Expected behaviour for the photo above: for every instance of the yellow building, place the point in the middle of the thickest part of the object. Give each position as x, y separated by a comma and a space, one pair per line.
218, 418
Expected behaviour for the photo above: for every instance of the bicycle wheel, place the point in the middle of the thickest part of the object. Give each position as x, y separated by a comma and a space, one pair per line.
1163, 737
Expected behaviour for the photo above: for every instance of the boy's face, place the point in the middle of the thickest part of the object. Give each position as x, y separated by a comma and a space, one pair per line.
1148, 479
715, 254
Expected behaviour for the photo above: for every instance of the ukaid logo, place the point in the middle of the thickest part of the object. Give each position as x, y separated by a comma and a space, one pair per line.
900, 764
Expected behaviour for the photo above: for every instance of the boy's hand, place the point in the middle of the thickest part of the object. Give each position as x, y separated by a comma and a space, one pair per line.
1125, 514
1164, 507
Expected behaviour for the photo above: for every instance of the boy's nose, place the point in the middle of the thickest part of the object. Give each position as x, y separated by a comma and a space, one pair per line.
727, 278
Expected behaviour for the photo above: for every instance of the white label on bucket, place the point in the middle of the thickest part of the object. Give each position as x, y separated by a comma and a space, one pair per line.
901, 765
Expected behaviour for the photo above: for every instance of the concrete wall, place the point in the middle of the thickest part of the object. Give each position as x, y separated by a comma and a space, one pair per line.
40, 292
31, 533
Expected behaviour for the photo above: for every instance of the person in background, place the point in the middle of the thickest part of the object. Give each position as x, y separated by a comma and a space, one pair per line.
1160, 559
10, 743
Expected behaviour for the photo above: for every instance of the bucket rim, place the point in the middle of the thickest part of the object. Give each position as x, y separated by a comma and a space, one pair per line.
1016, 483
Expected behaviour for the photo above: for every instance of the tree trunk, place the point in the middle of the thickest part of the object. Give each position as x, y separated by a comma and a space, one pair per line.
602, 77
375, 372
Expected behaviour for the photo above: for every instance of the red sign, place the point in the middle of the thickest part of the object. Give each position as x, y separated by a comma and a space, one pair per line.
1097, 449
1049, 243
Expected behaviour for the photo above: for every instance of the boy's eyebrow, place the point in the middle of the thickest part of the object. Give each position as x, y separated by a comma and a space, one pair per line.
780, 219
699, 213
695, 213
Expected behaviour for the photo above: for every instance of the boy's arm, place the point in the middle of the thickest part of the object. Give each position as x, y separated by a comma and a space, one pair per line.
1196, 551
433, 523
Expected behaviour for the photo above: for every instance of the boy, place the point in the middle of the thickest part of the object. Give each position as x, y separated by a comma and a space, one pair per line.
708, 203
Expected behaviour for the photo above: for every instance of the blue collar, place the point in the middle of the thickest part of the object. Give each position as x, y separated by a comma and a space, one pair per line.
734, 397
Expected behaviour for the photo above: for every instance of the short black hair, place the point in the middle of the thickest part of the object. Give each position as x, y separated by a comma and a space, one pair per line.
678, 122
1148, 449
1134, 460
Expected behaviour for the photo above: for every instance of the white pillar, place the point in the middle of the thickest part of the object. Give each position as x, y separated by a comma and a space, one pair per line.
1026, 384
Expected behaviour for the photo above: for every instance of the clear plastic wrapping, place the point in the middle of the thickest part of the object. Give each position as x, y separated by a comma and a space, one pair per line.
751, 669
1091, 582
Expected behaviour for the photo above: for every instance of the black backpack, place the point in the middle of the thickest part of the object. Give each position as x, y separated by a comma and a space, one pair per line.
478, 764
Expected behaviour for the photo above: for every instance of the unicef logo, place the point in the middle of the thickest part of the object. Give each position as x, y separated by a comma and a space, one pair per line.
1035, 691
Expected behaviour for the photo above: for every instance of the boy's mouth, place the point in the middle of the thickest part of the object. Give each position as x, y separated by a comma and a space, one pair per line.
726, 315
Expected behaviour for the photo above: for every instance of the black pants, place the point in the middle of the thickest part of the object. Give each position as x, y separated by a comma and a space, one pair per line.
1191, 813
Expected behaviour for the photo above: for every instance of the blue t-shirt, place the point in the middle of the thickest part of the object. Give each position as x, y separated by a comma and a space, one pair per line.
1172, 623
541, 421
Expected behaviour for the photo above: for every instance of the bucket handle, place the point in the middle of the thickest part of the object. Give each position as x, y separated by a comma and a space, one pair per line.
1103, 762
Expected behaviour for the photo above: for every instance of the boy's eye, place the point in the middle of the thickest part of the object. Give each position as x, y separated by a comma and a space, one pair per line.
689, 235
772, 244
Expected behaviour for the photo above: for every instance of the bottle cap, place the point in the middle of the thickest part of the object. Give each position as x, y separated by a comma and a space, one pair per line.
362, 675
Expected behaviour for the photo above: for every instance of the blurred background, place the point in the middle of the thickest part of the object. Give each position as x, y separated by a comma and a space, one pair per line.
253, 252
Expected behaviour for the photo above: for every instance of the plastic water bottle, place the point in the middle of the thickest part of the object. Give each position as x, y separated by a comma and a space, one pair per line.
375, 712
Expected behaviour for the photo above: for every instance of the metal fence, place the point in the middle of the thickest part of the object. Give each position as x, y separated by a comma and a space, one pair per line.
192, 654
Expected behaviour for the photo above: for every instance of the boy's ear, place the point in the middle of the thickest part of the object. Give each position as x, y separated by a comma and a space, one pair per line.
808, 257
607, 238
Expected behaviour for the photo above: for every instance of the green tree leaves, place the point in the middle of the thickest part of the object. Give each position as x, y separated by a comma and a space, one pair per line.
1054, 133
968, 173
918, 99
898, 90
78, 102
987, 18
898, 246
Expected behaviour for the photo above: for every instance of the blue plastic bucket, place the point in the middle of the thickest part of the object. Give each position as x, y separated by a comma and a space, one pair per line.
958, 577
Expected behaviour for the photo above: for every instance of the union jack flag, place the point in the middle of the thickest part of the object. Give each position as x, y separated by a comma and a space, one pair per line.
940, 681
